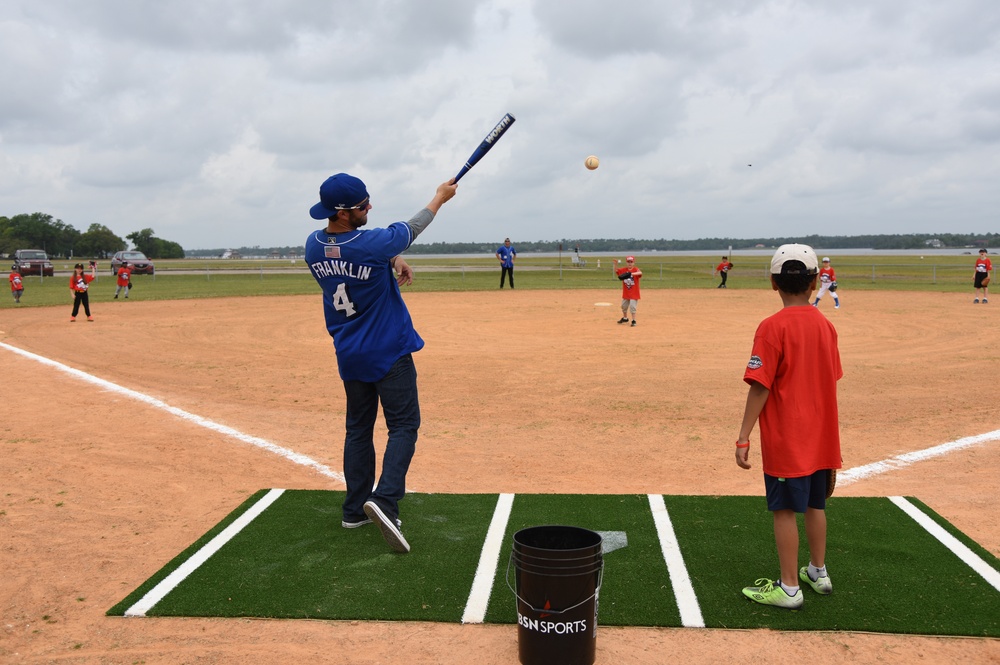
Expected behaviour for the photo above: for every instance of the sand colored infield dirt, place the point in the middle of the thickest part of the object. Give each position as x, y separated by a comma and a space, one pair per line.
521, 391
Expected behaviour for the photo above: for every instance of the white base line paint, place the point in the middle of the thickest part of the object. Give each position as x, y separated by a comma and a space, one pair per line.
290, 455
687, 602
969, 557
850, 476
482, 585
170, 582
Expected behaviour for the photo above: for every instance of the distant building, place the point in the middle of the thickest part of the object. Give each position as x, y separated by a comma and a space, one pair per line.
231, 254
935, 243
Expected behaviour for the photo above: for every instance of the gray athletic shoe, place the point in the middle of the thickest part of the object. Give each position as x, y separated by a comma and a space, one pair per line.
355, 523
390, 531
821, 586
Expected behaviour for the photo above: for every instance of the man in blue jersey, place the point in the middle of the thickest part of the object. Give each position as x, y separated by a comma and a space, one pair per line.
506, 254
374, 340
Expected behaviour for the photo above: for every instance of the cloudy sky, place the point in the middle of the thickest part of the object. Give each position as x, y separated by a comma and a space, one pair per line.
215, 121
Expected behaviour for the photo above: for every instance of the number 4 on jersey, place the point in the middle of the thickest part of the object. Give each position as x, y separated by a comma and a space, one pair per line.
342, 302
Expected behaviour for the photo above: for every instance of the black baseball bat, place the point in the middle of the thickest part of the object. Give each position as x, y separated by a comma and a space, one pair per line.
484, 147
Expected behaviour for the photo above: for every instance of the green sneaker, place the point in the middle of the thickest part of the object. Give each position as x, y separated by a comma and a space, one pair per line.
768, 593
823, 585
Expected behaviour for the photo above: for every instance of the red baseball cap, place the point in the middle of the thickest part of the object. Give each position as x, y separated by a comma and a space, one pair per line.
630, 258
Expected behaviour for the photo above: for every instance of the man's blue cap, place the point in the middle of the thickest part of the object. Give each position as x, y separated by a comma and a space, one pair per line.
339, 192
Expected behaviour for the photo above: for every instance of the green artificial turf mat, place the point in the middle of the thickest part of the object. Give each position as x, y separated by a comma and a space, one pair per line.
296, 561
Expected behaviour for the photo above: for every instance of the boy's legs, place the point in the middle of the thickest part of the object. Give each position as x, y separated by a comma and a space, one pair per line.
823, 287
816, 536
785, 498
786, 537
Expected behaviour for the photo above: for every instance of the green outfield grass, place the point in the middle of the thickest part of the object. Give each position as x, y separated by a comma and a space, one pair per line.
218, 278
295, 561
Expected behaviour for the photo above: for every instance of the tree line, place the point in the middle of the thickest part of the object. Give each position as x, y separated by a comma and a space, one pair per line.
610, 246
888, 241
40, 231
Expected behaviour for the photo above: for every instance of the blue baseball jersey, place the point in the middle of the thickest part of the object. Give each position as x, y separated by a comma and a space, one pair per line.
507, 255
365, 312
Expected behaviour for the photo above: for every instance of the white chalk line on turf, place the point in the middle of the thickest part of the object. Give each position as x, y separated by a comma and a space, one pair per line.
482, 584
959, 548
170, 582
850, 476
687, 601
290, 455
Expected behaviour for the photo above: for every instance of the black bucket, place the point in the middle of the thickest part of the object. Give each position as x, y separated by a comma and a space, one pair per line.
557, 575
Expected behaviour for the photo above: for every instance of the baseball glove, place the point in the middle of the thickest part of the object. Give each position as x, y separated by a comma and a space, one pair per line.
831, 482
986, 280
833, 287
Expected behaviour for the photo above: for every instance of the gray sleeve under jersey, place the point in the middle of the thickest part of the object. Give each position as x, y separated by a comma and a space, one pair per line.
420, 221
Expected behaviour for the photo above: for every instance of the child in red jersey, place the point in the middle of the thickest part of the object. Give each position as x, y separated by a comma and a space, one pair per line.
630, 276
16, 283
983, 269
79, 283
793, 372
124, 280
723, 269
827, 282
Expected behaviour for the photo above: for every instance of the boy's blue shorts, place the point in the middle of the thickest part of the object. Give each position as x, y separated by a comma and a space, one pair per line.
797, 494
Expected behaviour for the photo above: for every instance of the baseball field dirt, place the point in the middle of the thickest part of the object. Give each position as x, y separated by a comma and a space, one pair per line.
521, 391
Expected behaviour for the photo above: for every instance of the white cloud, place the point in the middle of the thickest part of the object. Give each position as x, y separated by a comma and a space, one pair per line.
215, 121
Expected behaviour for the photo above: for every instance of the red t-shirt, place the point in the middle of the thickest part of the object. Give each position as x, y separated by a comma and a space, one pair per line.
983, 265
630, 292
16, 284
124, 274
795, 357
723, 267
827, 275
78, 284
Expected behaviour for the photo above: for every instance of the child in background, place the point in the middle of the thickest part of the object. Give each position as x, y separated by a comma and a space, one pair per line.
827, 282
124, 280
16, 283
79, 283
629, 276
983, 269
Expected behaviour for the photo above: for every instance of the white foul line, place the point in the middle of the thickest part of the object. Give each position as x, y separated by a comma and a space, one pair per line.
170, 582
687, 601
290, 455
960, 550
482, 585
850, 476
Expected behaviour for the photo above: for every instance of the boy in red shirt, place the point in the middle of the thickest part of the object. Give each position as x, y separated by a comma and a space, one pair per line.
124, 280
827, 282
630, 276
723, 269
983, 269
793, 373
16, 283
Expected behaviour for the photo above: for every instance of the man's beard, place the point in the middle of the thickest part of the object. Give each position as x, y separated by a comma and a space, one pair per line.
358, 220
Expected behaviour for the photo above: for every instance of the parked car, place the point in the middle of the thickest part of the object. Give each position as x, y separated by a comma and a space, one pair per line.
33, 262
136, 260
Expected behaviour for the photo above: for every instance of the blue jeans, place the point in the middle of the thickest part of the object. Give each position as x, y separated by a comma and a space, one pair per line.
397, 391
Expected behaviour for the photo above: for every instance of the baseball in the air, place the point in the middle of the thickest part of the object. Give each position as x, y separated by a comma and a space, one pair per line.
592, 162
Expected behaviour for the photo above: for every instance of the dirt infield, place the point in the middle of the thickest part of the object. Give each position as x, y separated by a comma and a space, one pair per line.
521, 391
